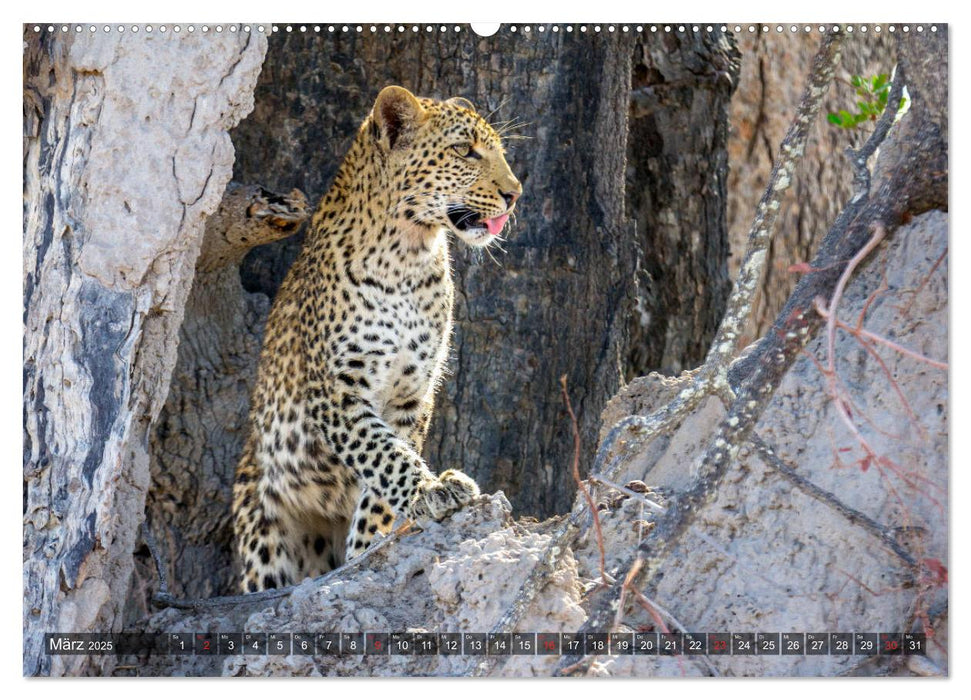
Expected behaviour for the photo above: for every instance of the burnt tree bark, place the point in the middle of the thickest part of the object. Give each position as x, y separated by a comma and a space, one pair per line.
560, 298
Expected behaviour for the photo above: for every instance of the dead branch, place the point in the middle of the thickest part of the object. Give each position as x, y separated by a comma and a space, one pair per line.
828, 313
881, 532
639, 497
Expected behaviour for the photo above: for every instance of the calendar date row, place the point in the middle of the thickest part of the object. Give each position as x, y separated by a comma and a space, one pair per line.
492, 644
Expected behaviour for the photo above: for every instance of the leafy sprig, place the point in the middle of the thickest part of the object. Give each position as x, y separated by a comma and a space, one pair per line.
873, 93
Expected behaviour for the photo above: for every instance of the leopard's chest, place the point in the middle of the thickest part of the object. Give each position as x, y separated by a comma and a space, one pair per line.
406, 342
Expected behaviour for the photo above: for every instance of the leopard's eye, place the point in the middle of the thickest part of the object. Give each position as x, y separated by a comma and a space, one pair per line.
466, 151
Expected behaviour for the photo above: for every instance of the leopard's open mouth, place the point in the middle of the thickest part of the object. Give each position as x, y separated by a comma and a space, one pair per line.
463, 218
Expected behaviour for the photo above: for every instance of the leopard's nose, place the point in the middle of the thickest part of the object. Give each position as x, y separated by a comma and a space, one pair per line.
511, 197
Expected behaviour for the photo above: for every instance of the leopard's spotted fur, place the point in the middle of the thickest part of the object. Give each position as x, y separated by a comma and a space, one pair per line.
357, 340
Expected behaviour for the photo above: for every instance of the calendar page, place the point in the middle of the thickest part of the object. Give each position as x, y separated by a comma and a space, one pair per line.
469, 350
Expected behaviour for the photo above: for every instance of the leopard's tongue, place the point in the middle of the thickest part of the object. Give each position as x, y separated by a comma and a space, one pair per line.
495, 225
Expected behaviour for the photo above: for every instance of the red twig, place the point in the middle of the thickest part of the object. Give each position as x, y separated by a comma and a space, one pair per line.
873, 337
652, 610
624, 589
582, 486
878, 234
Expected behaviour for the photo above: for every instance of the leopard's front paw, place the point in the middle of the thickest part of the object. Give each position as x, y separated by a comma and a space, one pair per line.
442, 495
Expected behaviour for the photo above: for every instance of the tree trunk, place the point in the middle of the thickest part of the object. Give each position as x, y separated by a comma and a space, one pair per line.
126, 151
676, 175
519, 322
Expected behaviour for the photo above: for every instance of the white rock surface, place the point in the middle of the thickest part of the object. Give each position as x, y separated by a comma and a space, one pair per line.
763, 556
459, 575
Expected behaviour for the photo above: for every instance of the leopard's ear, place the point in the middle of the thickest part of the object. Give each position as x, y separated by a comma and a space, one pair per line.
396, 112
462, 102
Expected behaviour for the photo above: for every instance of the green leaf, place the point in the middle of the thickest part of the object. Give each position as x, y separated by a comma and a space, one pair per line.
873, 93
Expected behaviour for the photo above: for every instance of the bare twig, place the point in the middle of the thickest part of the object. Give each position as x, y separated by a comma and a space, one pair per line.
829, 314
625, 588
658, 614
914, 292
581, 486
882, 533
896, 347
656, 507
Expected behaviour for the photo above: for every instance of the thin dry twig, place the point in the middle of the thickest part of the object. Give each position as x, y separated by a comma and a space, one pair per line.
829, 314
581, 486
640, 497
881, 532
658, 614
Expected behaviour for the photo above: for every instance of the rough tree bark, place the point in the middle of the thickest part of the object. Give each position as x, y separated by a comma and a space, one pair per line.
676, 191
126, 151
519, 326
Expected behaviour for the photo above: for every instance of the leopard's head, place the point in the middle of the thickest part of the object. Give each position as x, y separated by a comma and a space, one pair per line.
447, 165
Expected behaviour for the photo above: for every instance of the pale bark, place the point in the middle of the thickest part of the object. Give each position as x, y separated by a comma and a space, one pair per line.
126, 151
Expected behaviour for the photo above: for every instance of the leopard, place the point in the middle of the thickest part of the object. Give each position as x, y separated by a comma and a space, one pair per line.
357, 341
